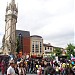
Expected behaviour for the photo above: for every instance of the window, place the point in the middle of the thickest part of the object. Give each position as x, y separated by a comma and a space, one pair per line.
40, 47
40, 50
45, 48
33, 48
36, 46
33, 51
50, 48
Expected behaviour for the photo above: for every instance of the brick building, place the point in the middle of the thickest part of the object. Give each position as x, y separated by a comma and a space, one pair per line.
24, 41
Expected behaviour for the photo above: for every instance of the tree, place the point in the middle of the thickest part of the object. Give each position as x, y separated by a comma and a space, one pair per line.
70, 50
58, 51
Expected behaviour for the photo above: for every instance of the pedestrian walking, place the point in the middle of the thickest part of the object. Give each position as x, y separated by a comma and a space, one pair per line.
10, 70
3, 67
49, 70
21, 69
39, 71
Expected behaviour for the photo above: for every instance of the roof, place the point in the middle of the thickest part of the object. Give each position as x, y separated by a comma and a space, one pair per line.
36, 36
59, 47
23, 33
47, 45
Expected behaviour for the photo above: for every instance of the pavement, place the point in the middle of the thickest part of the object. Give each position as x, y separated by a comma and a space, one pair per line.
26, 74
31, 74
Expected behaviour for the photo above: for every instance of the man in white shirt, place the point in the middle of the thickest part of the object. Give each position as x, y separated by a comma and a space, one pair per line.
10, 70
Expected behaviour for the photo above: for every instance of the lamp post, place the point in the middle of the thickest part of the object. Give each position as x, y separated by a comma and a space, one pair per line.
20, 43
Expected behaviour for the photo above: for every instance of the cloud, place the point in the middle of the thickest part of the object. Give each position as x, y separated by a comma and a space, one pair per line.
51, 19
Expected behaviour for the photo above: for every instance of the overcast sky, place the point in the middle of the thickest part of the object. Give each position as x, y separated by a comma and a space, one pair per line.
51, 19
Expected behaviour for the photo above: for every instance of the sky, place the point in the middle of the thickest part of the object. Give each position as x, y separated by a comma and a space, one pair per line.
51, 19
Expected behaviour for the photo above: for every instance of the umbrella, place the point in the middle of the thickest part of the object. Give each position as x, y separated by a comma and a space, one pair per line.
73, 58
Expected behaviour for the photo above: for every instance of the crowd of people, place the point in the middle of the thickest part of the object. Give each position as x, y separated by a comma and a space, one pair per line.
37, 66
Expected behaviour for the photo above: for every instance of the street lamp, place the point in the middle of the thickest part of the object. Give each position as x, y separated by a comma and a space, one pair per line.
20, 42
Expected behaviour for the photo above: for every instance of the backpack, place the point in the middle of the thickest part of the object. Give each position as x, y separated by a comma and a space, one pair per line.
51, 71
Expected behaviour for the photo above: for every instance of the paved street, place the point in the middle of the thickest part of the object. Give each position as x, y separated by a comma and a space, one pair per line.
26, 74
31, 74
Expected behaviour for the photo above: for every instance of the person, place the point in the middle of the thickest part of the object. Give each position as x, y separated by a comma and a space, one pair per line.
16, 69
3, 67
39, 71
49, 70
10, 70
21, 69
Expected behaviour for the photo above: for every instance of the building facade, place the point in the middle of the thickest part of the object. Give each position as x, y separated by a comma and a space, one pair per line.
9, 40
36, 43
48, 49
24, 41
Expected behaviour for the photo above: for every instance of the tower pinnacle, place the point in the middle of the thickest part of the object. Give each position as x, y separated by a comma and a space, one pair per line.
12, 1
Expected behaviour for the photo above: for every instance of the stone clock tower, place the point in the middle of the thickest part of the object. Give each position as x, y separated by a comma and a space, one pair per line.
10, 28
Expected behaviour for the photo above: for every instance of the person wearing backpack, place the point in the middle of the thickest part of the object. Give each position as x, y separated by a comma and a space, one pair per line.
49, 70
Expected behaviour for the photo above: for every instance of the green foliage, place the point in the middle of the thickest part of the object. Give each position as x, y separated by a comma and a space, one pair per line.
58, 51
70, 50
52, 57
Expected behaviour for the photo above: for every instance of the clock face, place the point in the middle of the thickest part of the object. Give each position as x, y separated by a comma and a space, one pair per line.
9, 12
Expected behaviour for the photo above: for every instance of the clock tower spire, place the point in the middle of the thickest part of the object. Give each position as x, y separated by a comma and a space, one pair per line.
13, 1
10, 28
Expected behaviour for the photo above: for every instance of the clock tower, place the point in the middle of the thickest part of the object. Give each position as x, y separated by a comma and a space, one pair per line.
10, 28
